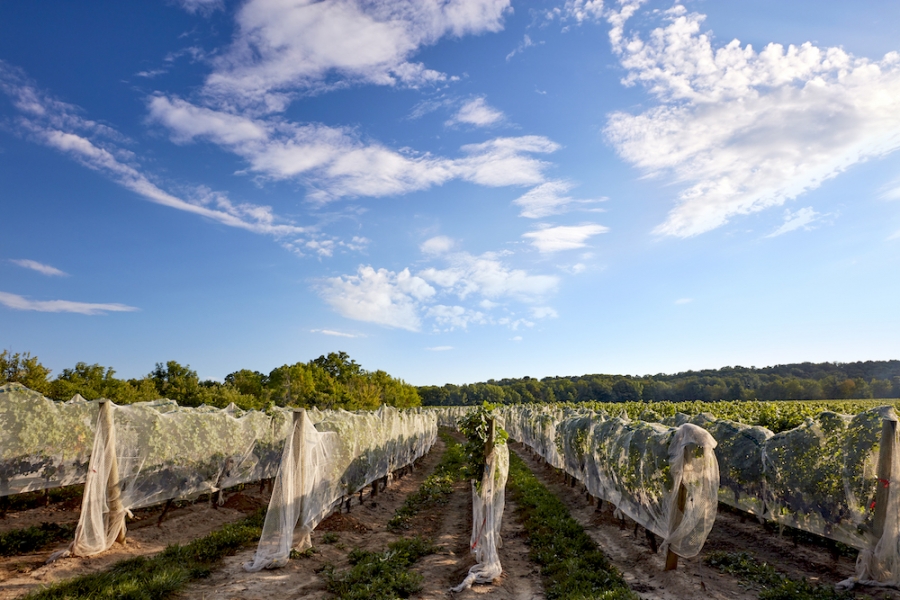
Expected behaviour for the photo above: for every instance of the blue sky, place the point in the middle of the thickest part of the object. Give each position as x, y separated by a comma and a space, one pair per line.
450, 191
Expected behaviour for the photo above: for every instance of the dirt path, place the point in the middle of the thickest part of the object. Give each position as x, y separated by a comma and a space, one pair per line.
25, 573
365, 527
642, 569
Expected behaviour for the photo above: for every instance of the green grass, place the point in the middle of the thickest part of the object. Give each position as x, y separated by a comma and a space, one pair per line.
437, 487
386, 575
773, 584
572, 565
381, 575
32, 539
161, 575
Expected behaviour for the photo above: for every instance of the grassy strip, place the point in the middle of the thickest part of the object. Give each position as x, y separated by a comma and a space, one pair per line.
774, 585
157, 577
36, 537
571, 563
436, 489
381, 575
386, 575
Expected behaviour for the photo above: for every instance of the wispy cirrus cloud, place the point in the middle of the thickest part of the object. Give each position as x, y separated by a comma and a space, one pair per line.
563, 237
743, 129
39, 267
16, 302
550, 198
60, 126
334, 333
465, 290
800, 219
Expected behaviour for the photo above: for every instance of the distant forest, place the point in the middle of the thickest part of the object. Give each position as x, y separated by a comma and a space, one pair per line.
328, 382
803, 381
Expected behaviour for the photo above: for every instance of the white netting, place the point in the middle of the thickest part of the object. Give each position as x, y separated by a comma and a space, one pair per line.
323, 463
43, 444
487, 517
640, 468
150, 452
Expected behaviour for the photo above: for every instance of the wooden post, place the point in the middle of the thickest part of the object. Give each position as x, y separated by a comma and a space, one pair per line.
300, 454
676, 515
113, 493
489, 443
885, 459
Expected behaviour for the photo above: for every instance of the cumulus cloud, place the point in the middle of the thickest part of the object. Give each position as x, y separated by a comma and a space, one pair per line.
204, 7
564, 237
437, 245
335, 162
476, 112
17, 302
547, 199
282, 47
39, 267
460, 294
745, 130
97, 147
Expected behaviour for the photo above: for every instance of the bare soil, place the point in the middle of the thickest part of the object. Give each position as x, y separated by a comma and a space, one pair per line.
630, 552
365, 527
26, 573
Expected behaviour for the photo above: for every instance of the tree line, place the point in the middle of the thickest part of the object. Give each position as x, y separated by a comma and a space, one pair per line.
328, 382
802, 381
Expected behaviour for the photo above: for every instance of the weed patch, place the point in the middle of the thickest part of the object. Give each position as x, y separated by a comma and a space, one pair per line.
573, 566
381, 575
32, 539
773, 584
159, 576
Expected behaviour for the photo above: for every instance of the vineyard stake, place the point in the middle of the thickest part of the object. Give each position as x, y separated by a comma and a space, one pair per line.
300, 455
676, 515
113, 494
885, 458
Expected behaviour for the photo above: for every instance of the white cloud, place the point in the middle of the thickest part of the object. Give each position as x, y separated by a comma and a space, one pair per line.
437, 245
440, 348
204, 7
796, 220
404, 299
335, 333
583, 10
746, 130
17, 302
336, 163
547, 199
525, 43
563, 237
477, 112
381, 296
544, 312
282, 46
39, 267
684, 301
59, 126
517, 338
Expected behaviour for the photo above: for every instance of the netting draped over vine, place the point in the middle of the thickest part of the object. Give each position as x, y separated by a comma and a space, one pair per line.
638, 467
330, 455
43, 444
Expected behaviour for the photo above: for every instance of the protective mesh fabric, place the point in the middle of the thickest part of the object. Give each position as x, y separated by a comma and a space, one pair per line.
329, 456
43, 444
487, 517
158, 451
638, 467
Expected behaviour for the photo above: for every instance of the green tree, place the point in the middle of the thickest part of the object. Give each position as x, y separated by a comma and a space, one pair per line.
177, 383
25, 369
